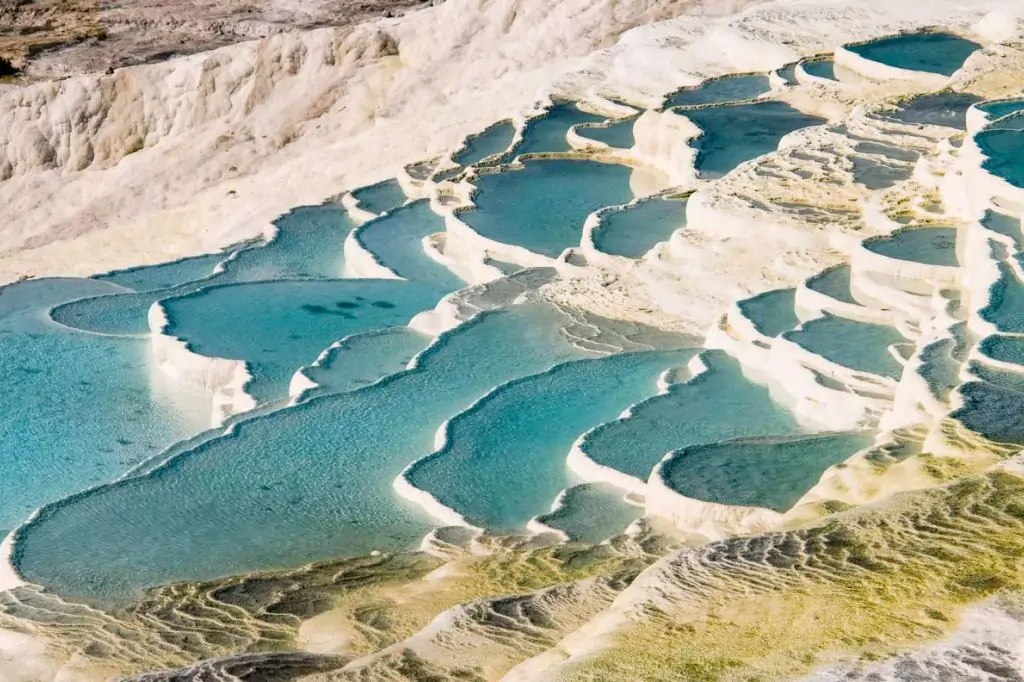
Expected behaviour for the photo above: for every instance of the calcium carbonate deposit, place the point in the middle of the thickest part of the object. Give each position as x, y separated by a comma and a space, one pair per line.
522, 341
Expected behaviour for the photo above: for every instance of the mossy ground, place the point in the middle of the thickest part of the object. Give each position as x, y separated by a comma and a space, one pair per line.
863, 586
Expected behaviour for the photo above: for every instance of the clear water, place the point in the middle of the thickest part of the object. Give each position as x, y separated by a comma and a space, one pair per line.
1003, 348
941, 53
279, 326
397, 241
166, 275
927, 245
735, 134
363, 359
122, 314
636, 230
721, 90
992, 410
505, 461
788, 74
1009, 122
769, 472
939, 368
821, 68
79, 409
1006, 306
834, 283
380, 197
771, 312
939, 109
543, 207
309, 244
617, 135
547, 133
592, 512
1004, 152
1005, 225
1002, 108
494, 140
304, 483
702, 410
860, 346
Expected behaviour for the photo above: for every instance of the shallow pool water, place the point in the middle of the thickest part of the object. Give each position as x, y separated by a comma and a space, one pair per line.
702, 410
383, 196
547, 132
618, 135
927, 245
721, 90
591, 512
362, 359
543, 206
734, 134
304, 483
308, 244
166, 275
771, 312
517, 438
1006, 302
633, 232
770, 472
834, 283
278, 326
939, 109
860, 346
1000, 108
79, 409
396, 241
941, 53
494, 140
821, 68
1004, 152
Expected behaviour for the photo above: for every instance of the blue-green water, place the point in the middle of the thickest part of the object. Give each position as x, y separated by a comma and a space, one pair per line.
702, 410
771, 312
308, 482
940, 109
361, 359
993, 410
734, 134
79, 409
278, 326
547, 132
1001, 108
592, 512
166, 275
941, 53
383, 196
1004, 152
636, 230
308, 245
834, 283
927, 245
618, 135
1006, 305
517, 438
771, 472
860, 346
720, 90
396, 240
543, 207
494, 140
821, 68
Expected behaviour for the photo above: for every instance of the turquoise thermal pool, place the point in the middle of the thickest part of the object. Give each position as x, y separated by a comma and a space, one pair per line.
941, 53
542, 207
720, 90
634, 231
